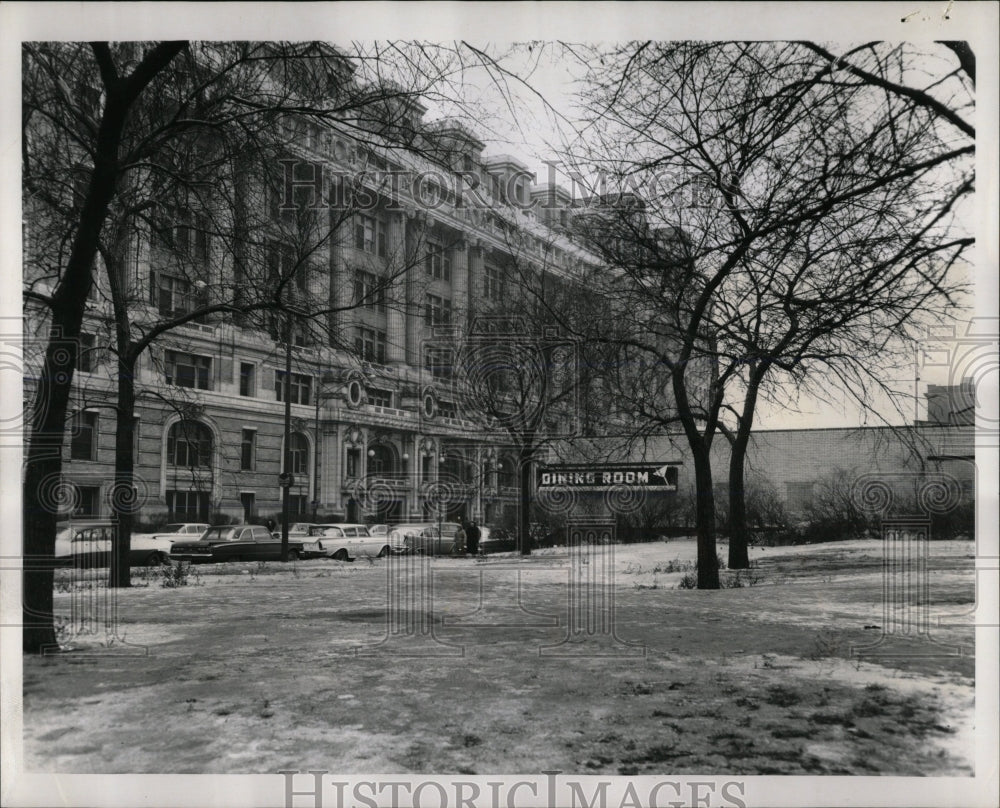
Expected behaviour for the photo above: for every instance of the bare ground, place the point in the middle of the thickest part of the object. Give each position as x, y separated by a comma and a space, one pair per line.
255, 668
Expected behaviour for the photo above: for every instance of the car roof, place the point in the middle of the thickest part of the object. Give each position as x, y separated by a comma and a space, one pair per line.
222, 527
338, 524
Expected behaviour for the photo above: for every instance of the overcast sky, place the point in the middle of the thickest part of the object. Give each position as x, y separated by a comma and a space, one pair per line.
548, 70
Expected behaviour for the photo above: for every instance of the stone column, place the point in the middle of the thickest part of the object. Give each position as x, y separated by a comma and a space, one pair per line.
341, 286
476, 274
414, 285
460, 286
396, 297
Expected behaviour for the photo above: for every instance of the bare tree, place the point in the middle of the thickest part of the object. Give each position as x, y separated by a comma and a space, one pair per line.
816, 217
518, 375
164, 140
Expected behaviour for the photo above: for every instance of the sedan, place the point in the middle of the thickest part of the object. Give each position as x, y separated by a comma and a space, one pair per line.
89, 544
399, 533
234, 543
344, 542
448, 539
158, 544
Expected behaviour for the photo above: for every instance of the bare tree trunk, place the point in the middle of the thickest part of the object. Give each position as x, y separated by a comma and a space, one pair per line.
43, 464
739, 531
708, 562
123, 493
43, 461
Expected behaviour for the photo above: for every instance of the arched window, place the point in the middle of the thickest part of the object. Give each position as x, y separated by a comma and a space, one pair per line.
457, 467
507, 473
382, 462
299, 452
189, 445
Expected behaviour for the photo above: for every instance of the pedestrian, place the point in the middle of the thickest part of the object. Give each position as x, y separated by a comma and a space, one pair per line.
472, 534
271, 525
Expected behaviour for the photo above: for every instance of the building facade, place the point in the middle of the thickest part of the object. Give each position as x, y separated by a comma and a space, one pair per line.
427, 243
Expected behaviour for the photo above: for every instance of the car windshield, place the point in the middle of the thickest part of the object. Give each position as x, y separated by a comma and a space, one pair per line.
219, 534
172, 528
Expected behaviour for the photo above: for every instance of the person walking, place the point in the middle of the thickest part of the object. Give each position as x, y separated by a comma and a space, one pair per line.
472, 535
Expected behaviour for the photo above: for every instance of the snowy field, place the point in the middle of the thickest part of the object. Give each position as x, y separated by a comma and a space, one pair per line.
591, 663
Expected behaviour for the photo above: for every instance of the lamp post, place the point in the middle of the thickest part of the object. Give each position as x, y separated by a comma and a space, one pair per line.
440, 500
286, 455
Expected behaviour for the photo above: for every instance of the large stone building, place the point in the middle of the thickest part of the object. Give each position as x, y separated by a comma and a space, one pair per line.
379, 416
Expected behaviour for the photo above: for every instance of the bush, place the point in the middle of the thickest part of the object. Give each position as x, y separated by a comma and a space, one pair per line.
175, 575
765, 509
833, 515
223, 518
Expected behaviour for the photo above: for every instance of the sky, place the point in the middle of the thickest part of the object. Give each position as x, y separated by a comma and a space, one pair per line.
539, 132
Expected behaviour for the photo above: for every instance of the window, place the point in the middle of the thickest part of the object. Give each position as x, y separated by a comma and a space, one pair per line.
300, 387
248, 379
189, 445
493, 283
188, 505
425, 467
85, 353
185, 234
249, 502
383, 462
439, 363
302, 336
506, 476
437, 262
83, 445
437, 311
175, 297
88, 499
379, 398
281, 261
369, 290
188, 370
369, 235
447, 409
353, 466
298, 453
370, 345
298, 505
248, 450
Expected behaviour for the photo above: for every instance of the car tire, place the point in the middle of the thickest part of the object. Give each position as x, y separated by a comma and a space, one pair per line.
294, 555
155, 560
340, 555
384, 551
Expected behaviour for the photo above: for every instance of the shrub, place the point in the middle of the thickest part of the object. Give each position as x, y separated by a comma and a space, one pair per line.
833, 514
175, 575
765, 509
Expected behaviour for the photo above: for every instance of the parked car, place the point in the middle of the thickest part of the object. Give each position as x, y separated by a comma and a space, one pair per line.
234, 543
496, 540
378, 530
398, 534
161, 540
446, 539
345, 542
296, 529
88, 543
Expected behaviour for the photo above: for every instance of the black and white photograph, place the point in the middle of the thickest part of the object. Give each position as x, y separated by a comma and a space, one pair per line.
482, 405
